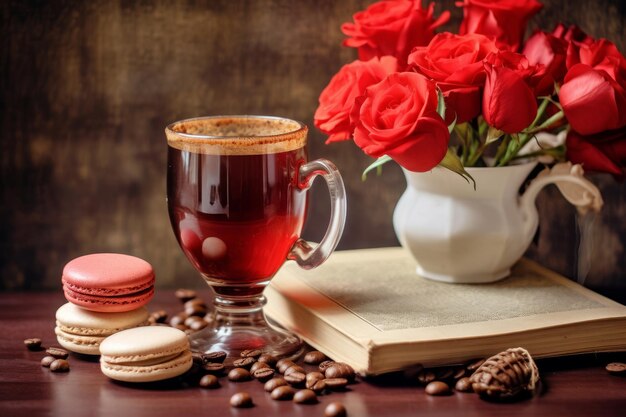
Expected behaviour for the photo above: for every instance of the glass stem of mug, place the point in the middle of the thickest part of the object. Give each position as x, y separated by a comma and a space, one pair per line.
239, 310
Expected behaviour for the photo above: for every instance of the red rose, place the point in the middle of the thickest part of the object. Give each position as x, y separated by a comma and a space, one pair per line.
592, 101
392, 28
333, 114
605, 152
509, 103
455, 63
575, 38
603, 55
550, 51
503, 20
398, 117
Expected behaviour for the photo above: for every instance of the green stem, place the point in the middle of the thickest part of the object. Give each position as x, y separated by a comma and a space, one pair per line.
553, 119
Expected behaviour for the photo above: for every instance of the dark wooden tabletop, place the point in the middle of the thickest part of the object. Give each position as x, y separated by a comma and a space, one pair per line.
575, 386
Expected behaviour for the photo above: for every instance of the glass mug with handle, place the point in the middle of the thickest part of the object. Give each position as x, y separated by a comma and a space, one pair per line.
237, 201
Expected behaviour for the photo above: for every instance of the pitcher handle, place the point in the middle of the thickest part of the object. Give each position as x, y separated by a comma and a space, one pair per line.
573, 186
307, 256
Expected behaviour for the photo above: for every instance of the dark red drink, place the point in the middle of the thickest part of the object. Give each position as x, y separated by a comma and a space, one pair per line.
236, 214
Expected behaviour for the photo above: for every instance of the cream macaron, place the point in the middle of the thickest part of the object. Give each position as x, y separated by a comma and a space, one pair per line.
145, 354
82, 331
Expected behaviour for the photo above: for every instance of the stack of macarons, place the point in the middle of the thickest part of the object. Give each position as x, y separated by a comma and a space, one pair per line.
107, 293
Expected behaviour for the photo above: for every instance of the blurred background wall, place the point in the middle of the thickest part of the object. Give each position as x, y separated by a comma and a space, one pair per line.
86, 88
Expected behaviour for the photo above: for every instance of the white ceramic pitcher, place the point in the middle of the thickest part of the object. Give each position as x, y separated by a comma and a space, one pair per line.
461, 235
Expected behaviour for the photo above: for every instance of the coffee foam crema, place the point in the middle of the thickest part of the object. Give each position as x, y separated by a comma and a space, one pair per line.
236, 135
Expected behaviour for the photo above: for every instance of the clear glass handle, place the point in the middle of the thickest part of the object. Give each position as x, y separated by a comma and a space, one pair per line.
307, 256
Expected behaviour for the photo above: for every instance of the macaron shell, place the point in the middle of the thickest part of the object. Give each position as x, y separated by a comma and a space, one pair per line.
79, 321
128, 373
141, 343
109, 304
109, 274
87, 345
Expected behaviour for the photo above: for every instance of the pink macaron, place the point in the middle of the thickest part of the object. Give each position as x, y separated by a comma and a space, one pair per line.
108, 282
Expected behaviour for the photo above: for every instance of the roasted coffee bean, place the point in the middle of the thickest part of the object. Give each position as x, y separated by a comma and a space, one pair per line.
239, 375
474, 364
318, 386
33, 343
241, 400
283, 364
295, 378
159, 316
340, 370
335, 409
209, 381
192, 319
47, 360
258, 365
178, 319
437, 388
336, 384
217, 356
194, 301
214, 368
425, 377
305, 396
263, 374
251, 353
616, 368
57, 352
244, 362
314, 357
463, 385
198, 325
294, 368
181, 327
274, 383
314, 376
282, 393
184, 294
325, 365
60, 365
444, 374
268, 359
459, 373
209, 317
196, 310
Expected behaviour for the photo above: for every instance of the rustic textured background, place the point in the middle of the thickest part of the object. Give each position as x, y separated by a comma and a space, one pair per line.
87, 87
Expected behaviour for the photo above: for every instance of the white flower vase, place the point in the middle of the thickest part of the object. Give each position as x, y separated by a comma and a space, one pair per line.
461, 235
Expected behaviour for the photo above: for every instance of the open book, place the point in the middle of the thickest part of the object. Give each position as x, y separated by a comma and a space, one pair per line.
369, 309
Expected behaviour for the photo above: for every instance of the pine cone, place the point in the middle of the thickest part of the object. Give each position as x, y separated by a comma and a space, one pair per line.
506, 374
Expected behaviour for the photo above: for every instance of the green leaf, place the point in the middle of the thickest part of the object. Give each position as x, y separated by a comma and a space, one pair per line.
452, 162
377, 164
441, 104
493, 135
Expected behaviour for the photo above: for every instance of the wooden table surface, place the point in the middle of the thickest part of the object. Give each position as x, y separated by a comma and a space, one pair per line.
575, 386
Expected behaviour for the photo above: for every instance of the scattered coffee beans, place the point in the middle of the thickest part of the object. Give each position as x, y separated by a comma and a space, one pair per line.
459, 373
325, 365
335, 409
251, 353
241, 400
192, 319
194, 302
424, 377
314, 376
33, 343
318, 386
185, 295
283, 393
263, 374
178, 319
239, 375
437, 388
274, 383
268, 359
47, 360
213, 368
258, 365
57, 352
60, 365
209, 381
463, 385
314, 357
340, 370
294, 368
283, 364
474, 364
336, 384
616, 368
217, 356
305, 396
196, 310
159, 316
243, 362
295, 378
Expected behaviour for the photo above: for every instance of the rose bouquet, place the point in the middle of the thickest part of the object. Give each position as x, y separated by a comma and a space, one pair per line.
482, 97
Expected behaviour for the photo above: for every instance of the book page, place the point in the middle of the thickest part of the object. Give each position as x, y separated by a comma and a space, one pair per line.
386, 292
